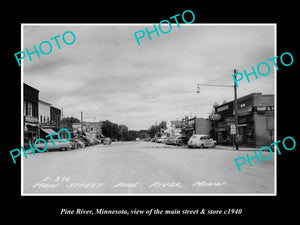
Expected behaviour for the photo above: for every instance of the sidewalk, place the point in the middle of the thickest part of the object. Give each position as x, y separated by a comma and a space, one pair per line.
241, 148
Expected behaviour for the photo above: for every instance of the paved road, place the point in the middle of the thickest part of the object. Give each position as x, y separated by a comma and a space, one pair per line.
145, 168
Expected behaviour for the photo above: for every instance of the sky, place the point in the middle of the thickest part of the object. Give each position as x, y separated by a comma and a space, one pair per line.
108, 76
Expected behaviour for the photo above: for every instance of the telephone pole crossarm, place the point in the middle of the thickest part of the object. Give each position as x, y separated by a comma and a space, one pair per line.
235, 106
215, 85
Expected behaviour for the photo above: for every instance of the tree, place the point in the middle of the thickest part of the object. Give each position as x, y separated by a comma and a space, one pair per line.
154, 130
122, 133
68, 121
110, 129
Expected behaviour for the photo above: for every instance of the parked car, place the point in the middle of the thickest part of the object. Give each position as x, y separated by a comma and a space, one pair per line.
171, 140
201, 140
168, 141
97, 141
85, 141
161, 140
107, 141
92, 141
74, 143
81, 143
78, 142
154, 139
182, 140
62, 146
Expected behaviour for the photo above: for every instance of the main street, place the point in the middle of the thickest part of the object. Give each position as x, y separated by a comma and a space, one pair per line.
145, 168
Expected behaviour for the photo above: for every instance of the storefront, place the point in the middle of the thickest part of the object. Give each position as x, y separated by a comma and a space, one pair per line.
30, 114
246, 122
223, 135
255, 120
31, 129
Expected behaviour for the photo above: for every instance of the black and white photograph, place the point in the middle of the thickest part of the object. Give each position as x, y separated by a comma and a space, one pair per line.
149, 109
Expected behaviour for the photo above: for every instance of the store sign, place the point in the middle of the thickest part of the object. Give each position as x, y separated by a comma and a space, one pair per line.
223, 108
215, 117
191, 122
48, 124
230, 120
245, 110
263, 109
31, 119
232, 129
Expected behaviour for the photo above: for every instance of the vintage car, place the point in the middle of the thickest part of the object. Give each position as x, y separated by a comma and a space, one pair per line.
201, 141
62, 146
107, 141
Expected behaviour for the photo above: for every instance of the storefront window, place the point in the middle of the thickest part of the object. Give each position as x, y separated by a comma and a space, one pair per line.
29, 109
24, 108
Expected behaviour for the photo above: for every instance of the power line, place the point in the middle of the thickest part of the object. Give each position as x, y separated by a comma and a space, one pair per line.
216, 85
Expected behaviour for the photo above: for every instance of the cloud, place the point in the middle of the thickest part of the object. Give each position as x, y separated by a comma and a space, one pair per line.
106, 74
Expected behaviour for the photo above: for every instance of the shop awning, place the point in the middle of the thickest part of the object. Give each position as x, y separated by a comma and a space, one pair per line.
48, 131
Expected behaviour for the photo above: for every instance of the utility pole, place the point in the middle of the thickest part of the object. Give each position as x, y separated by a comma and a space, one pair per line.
81, 124
236, 115
235, 139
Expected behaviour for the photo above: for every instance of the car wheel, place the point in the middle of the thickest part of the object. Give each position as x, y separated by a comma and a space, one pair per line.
63, 149
201, 146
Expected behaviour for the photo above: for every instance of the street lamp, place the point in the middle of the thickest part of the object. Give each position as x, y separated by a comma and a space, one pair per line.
235, 106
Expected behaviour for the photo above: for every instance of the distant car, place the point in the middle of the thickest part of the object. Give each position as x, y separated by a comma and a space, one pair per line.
168, 141
201, 140
107, 141
174, 140
74, 144
161, 140
62, 146
97, 141
153, 139
78, 142
85, 141
171, 140
81, 143
92, 141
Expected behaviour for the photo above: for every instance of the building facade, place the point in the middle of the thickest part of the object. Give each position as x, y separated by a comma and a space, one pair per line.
49, 119
44, 112
55, 117
30, 113
93, 129
191, 126
175, 128
89, 129
255, 120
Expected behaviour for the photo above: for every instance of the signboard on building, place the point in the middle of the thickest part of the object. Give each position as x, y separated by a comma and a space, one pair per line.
232, 129
263, 109
215, 117
222, 108
245, 110
31, 119
230, 120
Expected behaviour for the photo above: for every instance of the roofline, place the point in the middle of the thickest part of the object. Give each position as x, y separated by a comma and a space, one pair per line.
245, 96
45, 102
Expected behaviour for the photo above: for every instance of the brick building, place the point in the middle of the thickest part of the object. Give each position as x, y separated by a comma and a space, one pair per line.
255, 120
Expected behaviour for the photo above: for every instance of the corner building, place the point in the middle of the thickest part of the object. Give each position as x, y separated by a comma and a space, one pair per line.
255, 120
30, 113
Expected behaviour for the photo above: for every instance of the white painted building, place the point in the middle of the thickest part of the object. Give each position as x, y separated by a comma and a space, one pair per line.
44, 112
